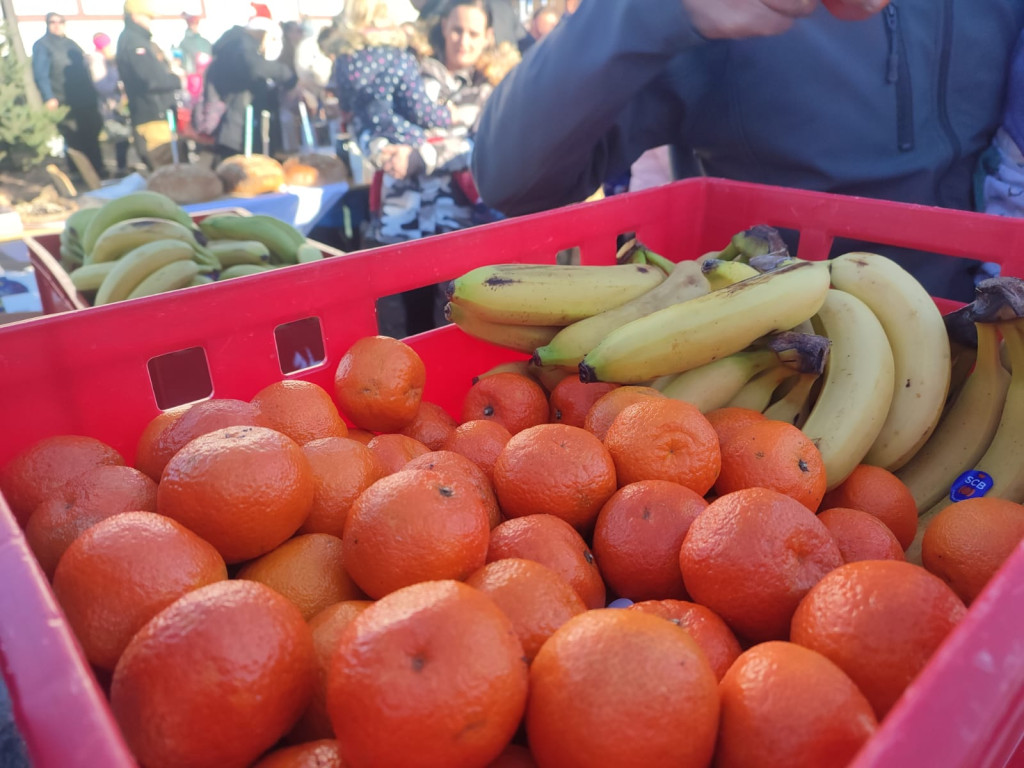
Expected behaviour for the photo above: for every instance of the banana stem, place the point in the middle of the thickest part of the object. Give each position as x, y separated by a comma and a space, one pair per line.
659, 261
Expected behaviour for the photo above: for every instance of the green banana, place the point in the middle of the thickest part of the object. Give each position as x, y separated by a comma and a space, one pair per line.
241, 270
714, 384
280, 237
721, 273
90, 277
137, 205
569, 346
136, 265
76, 224
794, 406
231, 252
308, 252
201, 279
709, 327
549, 294
757, 394
177, 274
124, 236
522, 338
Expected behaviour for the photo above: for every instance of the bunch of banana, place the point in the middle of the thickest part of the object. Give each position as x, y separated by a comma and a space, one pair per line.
692, 333
980, 430
920, 349
570, 310
749, 376
72, 252
279, 242
136, 245
144, 243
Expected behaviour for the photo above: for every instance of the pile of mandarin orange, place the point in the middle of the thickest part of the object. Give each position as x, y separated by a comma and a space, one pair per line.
271, 586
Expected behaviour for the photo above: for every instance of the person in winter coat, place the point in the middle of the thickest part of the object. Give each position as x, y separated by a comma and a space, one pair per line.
426, 188
62, 75
771, 91
149, 84
103, 67
193, 44
378, 82
505, 23
241, 76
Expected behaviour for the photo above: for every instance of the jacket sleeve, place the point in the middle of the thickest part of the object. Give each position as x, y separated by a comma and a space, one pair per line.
41, 71
412, 101
260, 68
583, 104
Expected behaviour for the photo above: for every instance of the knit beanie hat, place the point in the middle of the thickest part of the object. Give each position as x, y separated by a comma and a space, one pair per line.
143, 7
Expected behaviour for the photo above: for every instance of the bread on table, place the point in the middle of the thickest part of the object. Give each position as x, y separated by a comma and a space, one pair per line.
250, 176
186, 184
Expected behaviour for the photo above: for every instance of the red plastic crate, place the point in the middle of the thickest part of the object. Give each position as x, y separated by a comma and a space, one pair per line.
87, 373
56, 291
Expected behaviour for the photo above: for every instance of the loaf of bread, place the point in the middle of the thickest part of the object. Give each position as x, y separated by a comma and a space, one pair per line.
311, 169
186, 184
250, 176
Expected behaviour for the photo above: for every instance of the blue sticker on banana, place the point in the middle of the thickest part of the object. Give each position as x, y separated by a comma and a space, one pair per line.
972, 484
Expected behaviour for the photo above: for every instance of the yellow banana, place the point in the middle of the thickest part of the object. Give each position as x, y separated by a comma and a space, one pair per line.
549, 294
568, 347
965, 430
721, 274
126, 235
794, 406
1002, 458
858, 383
177, 274
522, 338
280, 237
695, 332
137, 205
136, 265
756, 394
89, 277
231, 252
714, 384
999, 473
522, 367
920, 350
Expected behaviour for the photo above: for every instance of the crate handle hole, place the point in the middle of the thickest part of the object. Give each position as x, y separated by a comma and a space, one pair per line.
180, 377
300, 345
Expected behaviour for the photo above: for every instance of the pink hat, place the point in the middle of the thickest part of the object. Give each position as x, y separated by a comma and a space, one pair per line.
100, 40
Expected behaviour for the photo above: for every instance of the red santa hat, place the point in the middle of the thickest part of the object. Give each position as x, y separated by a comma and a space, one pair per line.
261, 20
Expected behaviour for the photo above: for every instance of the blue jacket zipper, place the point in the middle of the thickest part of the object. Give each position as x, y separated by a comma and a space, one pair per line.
897, 72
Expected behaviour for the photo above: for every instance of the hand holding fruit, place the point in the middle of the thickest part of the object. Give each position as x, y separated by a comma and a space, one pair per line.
755, 18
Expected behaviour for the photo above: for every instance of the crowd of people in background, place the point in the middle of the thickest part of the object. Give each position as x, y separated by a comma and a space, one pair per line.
119, 96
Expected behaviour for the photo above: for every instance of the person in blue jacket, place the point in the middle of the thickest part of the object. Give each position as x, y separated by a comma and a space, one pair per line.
897, 106
1002, 192
62, 75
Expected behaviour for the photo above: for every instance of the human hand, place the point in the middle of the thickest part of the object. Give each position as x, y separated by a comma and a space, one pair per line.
731, 19
394, 160
51, 104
